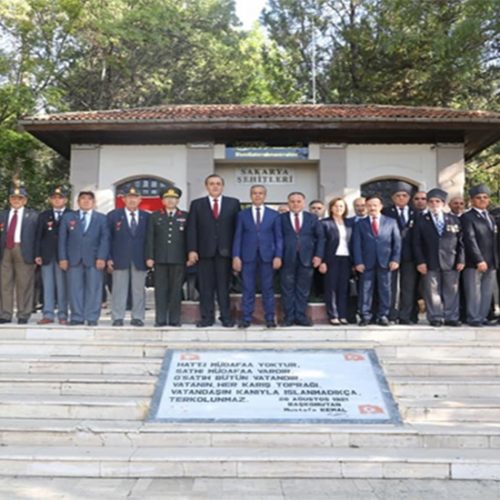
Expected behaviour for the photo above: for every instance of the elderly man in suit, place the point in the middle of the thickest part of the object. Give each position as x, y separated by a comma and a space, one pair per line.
404, 280
17, 254
55, 280
303, 249
439, 255
127, 260
376, 243
481, 256
83, 250
257, 251
210, 233
166, 252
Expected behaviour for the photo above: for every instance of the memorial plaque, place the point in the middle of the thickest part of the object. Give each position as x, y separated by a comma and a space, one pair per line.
310, 386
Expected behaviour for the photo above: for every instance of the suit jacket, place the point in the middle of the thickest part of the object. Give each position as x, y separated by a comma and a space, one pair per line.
28, 233
480, 241
166, 238
267, 240
308, 243
406, 230
125, 247
209, 236
375, 251
83, 248
47, 236
332, 236
440, 253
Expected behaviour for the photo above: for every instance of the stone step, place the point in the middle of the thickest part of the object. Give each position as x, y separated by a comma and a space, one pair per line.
455, 410
67, 365
461, 367
84, 385
133, 433
75, 407
444, 387
388, 350
250, 463
253, 334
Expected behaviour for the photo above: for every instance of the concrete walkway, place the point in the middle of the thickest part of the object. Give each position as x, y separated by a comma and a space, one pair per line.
13, 488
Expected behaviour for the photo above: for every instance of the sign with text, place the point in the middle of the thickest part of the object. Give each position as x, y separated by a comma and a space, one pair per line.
265, 175
267, 153
323, 386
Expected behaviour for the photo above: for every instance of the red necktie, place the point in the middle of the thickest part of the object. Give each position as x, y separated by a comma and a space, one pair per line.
375, 226
297, 223
215, 209
11, 231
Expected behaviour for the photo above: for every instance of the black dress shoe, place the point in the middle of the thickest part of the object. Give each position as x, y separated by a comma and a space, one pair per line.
271, 324
383, 321
117, 322
160, 325
22, 321
286, 323
304, 322
436, 323
453, 323
364, 322
243, 324
475, 324
91, 323
3, 321
174, 324
405, 322
228, 324
489, 322
203, 324
137, 322
73, 322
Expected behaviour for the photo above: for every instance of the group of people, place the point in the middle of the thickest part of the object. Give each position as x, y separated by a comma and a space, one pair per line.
391, 254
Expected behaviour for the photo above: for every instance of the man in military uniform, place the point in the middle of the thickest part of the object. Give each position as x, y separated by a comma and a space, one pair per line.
166, 252
17, 255
127, 260
55, 287
439, 255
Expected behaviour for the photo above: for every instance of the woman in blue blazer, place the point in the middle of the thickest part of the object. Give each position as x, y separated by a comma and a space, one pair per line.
337, 263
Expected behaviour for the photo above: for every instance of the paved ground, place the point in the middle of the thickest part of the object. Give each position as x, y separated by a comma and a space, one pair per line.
244, 489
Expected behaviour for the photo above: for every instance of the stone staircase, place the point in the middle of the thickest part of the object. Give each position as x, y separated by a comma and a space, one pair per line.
73, 402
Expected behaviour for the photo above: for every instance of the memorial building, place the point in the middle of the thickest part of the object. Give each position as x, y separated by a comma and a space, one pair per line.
322, 150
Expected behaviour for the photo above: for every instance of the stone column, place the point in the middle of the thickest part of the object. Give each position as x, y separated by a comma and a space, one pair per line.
450, 168
200, 163
333, 171
84, 170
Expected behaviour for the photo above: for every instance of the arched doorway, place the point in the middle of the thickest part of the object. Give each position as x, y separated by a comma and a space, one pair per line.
385, 187
148, 187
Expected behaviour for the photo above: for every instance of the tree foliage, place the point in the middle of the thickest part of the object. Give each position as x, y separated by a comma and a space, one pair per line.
65, 55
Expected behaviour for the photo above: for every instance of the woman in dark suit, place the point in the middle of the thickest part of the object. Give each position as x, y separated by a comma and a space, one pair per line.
337, 262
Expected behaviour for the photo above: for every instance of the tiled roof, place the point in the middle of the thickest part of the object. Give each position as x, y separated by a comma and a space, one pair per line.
292, 112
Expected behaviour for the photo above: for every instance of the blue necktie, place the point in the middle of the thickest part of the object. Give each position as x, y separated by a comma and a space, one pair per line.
133, 223
84, 221
439, 224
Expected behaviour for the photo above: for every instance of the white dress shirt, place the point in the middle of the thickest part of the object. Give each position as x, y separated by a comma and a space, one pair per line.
292, 218
20, 215
254, 213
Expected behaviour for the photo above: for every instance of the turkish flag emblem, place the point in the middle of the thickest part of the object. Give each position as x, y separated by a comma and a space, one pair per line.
354, 357
370, 409
189, 357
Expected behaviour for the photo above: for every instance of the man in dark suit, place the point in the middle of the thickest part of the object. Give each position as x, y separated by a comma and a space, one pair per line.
257, 250
481, 256
404, 280
439, 255
55, 280
376, 243
17, 254
127, 260
303, 249
166, 252
210, 232
83, 250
